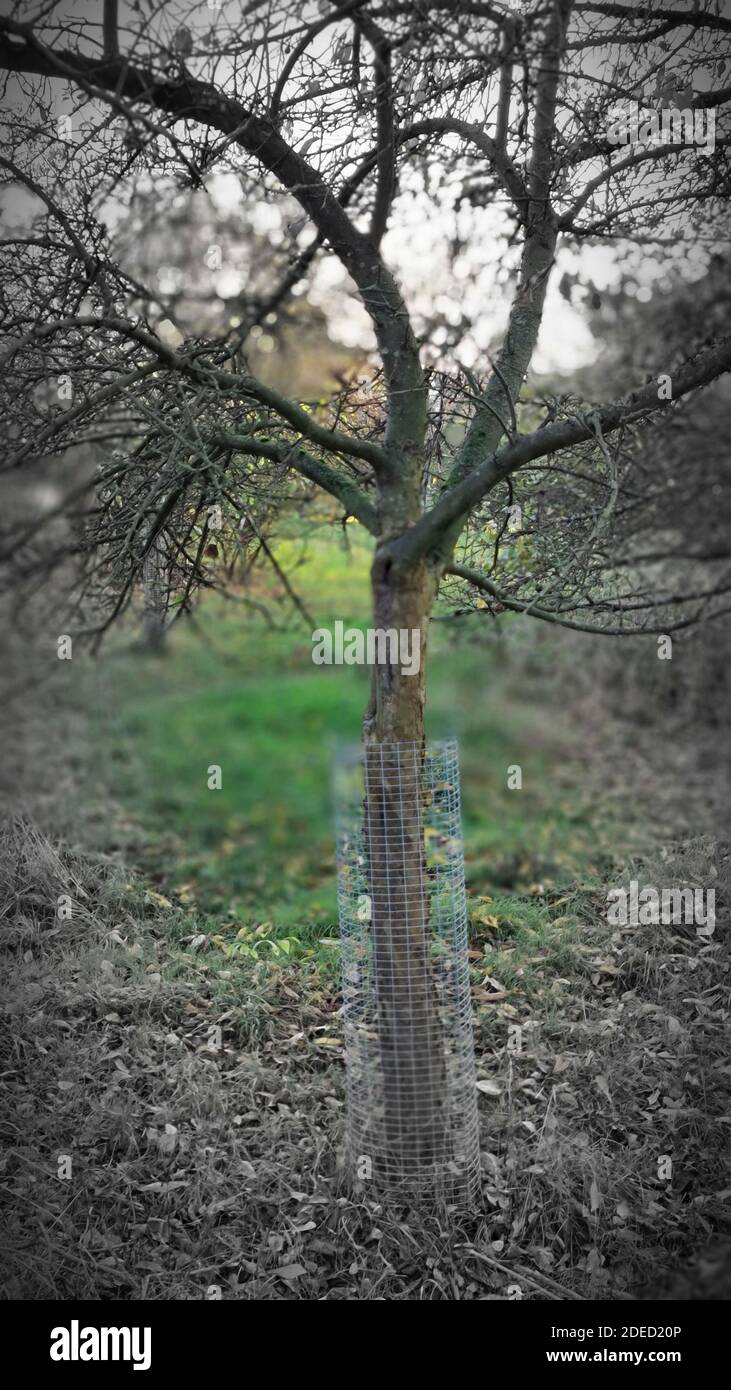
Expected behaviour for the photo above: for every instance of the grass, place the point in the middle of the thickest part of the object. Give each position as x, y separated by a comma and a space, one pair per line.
234, 694
172, 1128
179, 1037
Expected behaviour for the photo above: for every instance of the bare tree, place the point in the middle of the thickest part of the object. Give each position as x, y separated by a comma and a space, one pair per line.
501, 119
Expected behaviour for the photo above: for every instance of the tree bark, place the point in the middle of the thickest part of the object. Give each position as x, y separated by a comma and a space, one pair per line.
412, 1060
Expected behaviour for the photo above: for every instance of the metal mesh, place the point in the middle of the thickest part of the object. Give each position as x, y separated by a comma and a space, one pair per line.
412, 1106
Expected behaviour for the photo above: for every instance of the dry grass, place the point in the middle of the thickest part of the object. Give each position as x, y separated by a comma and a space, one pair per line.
196, 1170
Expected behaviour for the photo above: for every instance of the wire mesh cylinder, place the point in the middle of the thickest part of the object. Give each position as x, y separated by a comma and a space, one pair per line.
411, 1097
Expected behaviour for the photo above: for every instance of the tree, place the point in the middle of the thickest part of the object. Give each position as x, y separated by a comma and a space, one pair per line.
500, 122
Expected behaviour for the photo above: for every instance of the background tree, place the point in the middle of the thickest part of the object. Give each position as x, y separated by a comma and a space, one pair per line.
491, 121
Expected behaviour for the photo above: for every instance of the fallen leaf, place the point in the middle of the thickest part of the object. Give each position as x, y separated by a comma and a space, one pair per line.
157, 899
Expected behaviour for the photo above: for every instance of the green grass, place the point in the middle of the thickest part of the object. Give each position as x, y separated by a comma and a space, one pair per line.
234, 693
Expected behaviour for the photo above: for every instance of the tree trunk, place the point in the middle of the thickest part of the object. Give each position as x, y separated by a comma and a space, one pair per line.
411, 1053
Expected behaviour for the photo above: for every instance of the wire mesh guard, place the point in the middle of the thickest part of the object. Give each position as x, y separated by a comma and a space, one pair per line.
410, 1076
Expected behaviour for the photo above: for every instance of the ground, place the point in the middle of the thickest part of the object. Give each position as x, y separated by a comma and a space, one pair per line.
172, 1070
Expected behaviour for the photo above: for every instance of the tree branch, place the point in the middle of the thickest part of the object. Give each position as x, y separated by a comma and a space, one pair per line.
185, 97
538, 254
386, 127
452, 508
547, 615
694, 19
233, 382
111, 41
501, 162
311, 468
